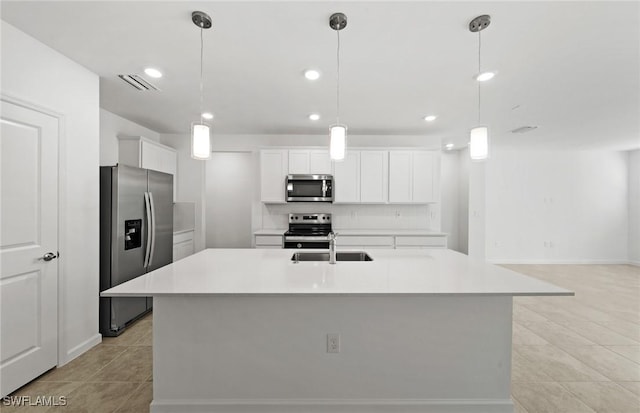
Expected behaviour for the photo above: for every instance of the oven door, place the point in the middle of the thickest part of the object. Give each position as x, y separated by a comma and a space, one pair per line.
309, 188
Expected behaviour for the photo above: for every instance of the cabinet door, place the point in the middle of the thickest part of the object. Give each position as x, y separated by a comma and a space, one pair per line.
346, 178
151, 157
319, 162
299, 161
374, 176
423, 177
400, 176
273, 172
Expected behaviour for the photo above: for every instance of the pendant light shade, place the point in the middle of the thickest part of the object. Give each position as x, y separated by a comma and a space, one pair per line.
479, 136
200, 141
200, 132
479, 143
337, 142
337, 132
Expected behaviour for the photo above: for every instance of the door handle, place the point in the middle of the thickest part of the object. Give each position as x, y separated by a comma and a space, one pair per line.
147, 207
49, 256
153, 229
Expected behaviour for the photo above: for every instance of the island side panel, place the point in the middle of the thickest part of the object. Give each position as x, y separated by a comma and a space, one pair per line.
269, 353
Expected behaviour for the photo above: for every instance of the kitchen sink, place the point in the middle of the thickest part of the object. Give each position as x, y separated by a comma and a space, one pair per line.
324, 256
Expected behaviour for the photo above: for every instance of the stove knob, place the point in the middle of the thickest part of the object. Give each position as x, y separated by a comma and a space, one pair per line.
299, 245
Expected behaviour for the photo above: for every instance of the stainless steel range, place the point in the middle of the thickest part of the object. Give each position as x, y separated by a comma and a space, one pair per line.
308, 231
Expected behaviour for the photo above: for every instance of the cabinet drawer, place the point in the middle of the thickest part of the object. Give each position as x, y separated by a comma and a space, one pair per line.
433, 241
182, 250
382, 241
182, 237
274, 240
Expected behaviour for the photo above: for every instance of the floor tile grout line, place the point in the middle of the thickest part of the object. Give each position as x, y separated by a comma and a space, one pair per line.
620, 354
128, 398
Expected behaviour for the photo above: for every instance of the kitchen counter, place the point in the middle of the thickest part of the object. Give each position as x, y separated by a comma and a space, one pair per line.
414, 331
256, 271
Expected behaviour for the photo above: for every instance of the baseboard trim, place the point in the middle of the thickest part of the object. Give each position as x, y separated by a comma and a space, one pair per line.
333, 406
552, 262
634, 263
81, 349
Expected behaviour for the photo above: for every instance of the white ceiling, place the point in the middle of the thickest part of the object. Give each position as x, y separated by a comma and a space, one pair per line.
572, 68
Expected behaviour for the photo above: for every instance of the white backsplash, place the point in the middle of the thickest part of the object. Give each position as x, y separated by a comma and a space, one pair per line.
275, 216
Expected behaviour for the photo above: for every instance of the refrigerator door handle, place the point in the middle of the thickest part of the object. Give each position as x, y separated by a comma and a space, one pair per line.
147, 207
153, 228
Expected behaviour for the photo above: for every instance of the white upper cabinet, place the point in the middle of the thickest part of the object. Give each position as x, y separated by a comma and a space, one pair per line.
309, 161
346, 178
319, 162
274, 166
299, 161
411, 177
144, 153
374, 176
424, 171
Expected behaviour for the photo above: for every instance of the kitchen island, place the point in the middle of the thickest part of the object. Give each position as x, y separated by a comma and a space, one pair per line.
247, 330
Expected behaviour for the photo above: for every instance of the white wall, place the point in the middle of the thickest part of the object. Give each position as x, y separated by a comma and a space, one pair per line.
634, 207
230, 178
37, 74
556, 206
450, 197
463, 201
190, 182
111, 126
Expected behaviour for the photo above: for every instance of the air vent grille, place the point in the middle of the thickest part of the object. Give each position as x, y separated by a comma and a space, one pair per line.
138, 82
524, 129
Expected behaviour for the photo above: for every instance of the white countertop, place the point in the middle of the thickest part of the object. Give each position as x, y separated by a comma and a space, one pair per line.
364, 232
271, 272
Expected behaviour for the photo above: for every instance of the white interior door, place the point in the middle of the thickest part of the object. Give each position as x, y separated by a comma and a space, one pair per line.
28, 231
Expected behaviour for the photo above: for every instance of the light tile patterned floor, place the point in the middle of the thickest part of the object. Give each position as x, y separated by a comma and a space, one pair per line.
570, 354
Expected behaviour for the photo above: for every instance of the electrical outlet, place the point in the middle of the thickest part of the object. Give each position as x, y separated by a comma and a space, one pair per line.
354, 215
398, 214
333, 343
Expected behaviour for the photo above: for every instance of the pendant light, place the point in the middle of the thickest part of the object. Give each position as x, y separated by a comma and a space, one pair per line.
338, 132
479, 136
200, 132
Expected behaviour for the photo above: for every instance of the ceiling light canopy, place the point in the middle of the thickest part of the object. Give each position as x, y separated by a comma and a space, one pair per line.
479, 135
338, 132
200, 133
154, 73
207, 115
314, 116
430, 118
312, 74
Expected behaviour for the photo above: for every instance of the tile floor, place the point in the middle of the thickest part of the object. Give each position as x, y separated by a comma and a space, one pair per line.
570, 354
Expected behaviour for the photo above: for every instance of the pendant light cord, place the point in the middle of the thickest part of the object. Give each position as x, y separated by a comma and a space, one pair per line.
338, 77
479, 71
201, 60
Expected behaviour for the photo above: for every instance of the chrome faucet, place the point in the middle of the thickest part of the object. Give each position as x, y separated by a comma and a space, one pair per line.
332, 247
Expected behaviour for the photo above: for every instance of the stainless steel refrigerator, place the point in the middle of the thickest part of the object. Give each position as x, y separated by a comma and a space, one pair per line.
136, 236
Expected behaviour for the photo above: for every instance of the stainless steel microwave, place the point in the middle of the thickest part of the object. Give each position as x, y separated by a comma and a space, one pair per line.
309, 188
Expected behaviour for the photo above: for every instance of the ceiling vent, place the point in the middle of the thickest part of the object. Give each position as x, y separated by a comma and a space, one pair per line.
138, 82
524, 129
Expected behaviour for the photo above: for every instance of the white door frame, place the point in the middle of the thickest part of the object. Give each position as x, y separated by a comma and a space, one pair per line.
62, 213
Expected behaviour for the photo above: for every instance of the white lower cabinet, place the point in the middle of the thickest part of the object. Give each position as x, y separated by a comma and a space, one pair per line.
183, 245
268, 241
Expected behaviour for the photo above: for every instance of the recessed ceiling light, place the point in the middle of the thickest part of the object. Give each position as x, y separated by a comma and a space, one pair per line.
314, 116
207, 115
483, 77
312, 74
449, 146
430, 118
154, 73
